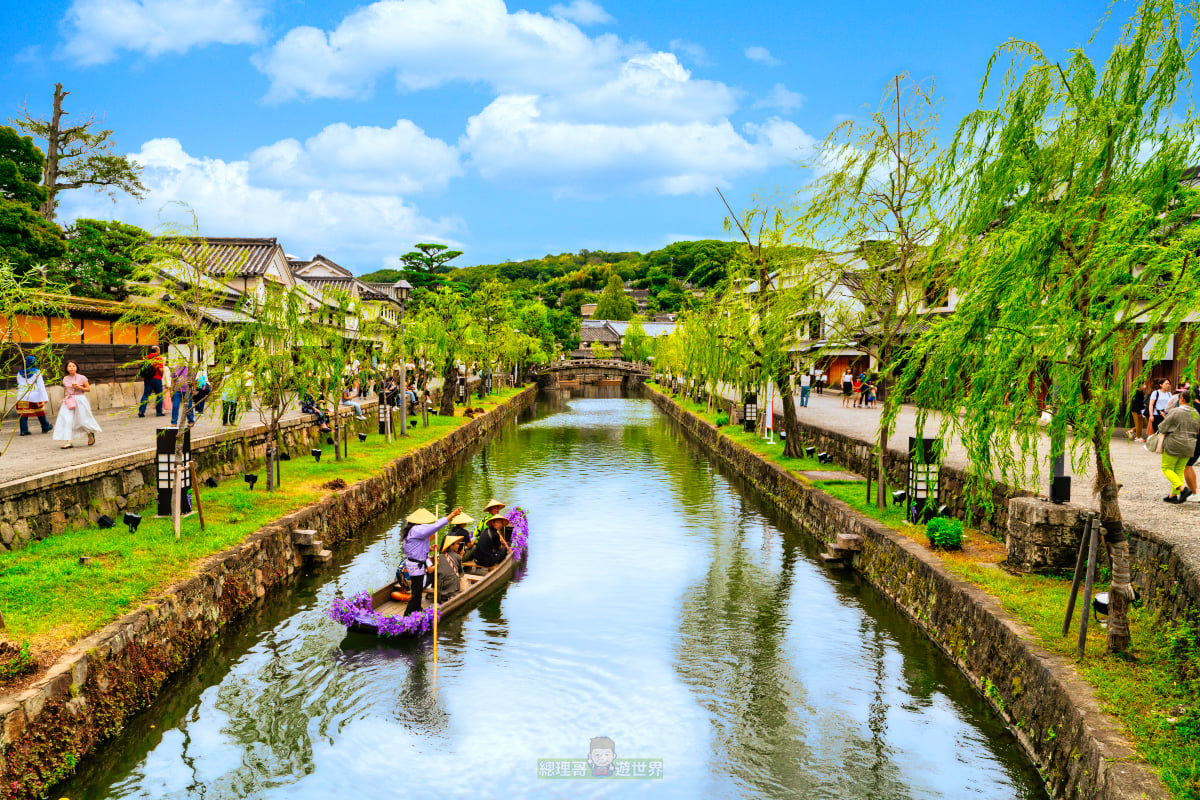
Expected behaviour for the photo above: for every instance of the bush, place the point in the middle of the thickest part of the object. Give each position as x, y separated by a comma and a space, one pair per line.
945, 534
722, 419
15, 661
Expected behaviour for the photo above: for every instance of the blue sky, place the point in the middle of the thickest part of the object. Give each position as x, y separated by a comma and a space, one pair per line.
507, 131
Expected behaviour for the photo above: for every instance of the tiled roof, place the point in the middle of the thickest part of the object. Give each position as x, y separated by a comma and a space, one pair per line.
653, 329
244, 258
598, 333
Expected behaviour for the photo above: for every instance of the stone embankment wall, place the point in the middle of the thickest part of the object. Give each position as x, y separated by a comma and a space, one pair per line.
1053, 714
1166, 582
47, 505
87, 695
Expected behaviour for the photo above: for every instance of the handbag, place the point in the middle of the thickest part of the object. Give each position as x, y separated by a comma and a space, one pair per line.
1155, 443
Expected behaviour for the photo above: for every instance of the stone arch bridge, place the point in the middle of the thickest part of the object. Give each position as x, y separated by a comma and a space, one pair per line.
602, 371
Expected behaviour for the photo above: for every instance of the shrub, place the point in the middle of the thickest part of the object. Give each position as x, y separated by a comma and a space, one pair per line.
943, 533
722, 419
15, 661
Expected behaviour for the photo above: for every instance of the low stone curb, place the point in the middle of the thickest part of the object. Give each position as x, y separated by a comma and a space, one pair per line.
98, 683
1082, 752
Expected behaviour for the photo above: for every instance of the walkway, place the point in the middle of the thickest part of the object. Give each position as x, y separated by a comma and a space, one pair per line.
1143, 485
124, 433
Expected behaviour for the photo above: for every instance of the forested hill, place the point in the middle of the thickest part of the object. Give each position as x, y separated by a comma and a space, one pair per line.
569, 280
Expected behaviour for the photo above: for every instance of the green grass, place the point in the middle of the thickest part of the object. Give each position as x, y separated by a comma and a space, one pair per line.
48, 598
1163, 672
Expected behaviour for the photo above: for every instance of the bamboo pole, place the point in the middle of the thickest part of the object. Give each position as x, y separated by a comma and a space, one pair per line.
438, 548
1089, 579
1080, 560
196, 491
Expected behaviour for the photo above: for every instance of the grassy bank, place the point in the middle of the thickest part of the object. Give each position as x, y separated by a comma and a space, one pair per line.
1144, 690
51, 600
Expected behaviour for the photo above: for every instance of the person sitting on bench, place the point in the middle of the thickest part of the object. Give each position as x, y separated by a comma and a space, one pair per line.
449, 568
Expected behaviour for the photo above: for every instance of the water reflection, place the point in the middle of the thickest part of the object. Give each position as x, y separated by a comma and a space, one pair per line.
662, 605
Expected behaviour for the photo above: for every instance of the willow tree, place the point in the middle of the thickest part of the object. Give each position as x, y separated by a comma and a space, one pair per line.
769, 292
26, 302
871, 216
1074, 235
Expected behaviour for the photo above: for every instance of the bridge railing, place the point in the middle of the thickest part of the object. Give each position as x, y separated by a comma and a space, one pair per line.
594, 363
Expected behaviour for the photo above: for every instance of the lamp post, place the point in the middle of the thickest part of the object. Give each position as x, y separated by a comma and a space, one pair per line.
402, 291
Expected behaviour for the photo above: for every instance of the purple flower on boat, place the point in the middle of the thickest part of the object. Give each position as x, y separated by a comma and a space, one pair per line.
520, 536
357, 611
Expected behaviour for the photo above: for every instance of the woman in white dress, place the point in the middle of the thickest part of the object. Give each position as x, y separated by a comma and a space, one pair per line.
75, 413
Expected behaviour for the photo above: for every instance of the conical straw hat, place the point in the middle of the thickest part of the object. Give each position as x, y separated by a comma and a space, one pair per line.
493, 503
422, 516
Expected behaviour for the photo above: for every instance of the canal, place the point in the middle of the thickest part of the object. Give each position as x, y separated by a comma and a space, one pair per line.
663, 605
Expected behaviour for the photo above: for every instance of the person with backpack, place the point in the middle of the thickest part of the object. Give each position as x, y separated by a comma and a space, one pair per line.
1137, 409
1156, 406
151, 374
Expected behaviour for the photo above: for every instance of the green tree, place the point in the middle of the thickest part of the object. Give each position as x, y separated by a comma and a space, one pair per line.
614, 304
424, 266
77, 156
27, 239
636, 344
876, 203
1075, 240
101, 257
490, 316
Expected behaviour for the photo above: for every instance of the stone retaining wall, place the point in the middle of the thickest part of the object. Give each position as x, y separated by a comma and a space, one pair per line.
103, 679
46, 505
1081, 751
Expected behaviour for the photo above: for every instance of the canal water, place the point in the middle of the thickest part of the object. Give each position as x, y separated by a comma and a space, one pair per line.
663, 605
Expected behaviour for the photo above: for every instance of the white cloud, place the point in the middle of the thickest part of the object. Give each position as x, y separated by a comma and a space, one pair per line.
97, 30
762, 55
695, 53
426, 43
582, 12
648, 87
400, 159
511, 141
346, 226
779, 97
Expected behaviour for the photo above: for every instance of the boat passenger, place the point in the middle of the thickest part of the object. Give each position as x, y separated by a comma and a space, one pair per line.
462, 527
419, 527
449, 568
494, 506
491, 546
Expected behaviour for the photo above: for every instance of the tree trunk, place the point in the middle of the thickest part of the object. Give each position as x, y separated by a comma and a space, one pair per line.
177, 485
449, 389
337, 436
791, 423
278, 469
50, 176
881, 470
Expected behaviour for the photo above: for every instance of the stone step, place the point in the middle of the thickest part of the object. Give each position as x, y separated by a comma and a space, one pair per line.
324, 557
848, 541
832, 560
312, 549
304, 537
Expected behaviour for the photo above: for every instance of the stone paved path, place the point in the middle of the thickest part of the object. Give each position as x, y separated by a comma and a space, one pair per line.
1143, 485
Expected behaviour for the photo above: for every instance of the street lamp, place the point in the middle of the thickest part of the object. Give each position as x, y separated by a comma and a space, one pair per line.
403, 288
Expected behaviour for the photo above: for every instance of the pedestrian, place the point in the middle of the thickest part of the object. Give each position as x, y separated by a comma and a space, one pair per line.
203, 390
1137, 409
847, 388
869, 394
805, 388
32, 397
857, 387
75, 413
1179, 430
151, 374
181, 393
1157, 404
820, 381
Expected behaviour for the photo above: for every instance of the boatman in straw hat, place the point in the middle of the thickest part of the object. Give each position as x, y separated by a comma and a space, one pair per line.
493, 507
449, 567
419, 528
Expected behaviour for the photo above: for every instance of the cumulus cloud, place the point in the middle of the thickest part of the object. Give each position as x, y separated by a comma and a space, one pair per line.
780, 98
582, 12
97, 30
511, 141
400, 159
762, 55
426, 43
345, 225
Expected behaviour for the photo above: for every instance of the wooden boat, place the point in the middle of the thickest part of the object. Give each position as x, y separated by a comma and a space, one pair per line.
476, 582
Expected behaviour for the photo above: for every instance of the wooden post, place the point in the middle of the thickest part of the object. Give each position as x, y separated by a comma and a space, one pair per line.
1089, 578
196, 492
1080, 560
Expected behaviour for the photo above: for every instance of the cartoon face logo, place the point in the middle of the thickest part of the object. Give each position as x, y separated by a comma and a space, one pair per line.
601, 754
